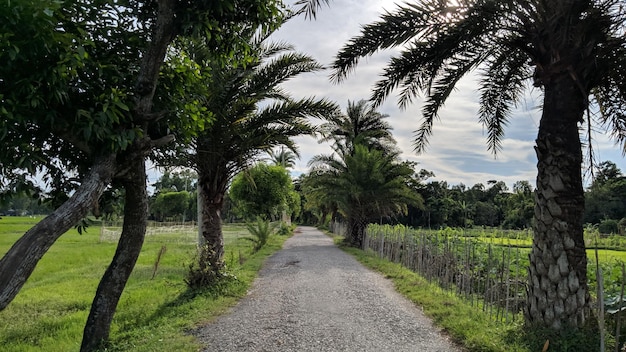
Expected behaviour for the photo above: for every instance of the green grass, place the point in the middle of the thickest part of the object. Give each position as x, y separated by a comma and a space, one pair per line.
153, 315
464, 323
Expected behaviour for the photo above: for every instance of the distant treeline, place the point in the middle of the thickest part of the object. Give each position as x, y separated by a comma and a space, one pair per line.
492, 204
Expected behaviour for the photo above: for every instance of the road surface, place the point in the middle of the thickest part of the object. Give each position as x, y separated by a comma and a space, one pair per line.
311, 296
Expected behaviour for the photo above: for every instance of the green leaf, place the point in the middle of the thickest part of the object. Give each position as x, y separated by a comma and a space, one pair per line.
121, 105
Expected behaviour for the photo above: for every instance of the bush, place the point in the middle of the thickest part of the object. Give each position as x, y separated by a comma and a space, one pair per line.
202, 272
285, 230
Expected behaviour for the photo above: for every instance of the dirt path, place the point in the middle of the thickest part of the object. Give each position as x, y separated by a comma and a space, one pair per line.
311, 296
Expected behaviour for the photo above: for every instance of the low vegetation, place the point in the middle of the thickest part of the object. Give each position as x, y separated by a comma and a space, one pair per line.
154, 314
473, 285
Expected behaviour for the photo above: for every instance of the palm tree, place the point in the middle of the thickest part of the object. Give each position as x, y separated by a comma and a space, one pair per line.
365, 184
241, 131
573, 50
361, 124
283, 157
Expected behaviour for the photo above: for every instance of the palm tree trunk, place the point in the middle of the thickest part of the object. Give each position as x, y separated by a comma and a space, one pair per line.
558, 294
114, 280
19, 262
355, 233
211, 224
212, 184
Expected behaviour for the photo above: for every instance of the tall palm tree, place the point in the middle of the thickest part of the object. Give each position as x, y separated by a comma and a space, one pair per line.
242, 130
365, 184
360, 124
573, 50
283, 157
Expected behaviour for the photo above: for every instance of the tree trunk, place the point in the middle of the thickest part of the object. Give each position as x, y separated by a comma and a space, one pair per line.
134, 182
558, 295
355, 233
19, 262
212, 258
110, 289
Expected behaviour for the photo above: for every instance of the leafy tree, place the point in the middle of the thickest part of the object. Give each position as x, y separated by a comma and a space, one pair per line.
608, 226
69, 116
488, 210
435, 213
606, 197
607, 172
176, 181
573, 50
519, 207
317, 206
486, 214
171, 205
24, 203
417, 216
261, 191
365, 184
87, 109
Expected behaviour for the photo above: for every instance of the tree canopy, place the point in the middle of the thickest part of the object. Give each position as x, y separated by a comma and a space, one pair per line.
262, 191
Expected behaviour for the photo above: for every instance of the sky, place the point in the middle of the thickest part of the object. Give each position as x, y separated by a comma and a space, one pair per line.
457, 152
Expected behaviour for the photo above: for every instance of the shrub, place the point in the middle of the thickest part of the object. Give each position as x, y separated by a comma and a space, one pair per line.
284, 229
201, 272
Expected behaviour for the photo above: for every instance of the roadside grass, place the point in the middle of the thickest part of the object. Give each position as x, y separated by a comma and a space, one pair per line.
156, 314
468, 322
464, 323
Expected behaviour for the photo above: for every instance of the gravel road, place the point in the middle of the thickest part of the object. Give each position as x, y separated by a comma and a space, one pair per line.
311, 296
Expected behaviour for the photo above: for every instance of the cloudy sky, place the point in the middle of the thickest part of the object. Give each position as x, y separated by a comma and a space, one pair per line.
457, 152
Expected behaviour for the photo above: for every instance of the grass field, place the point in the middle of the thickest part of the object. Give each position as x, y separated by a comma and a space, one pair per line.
153, 314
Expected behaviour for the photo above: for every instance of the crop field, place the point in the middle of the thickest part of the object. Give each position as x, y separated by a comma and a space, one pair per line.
50, 311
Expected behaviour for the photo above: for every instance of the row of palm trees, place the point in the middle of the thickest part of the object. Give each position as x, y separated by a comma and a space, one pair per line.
364, 179
574, 50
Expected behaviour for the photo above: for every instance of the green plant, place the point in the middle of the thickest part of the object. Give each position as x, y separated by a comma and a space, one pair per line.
261, 230
201, 272
284, 229
586, 338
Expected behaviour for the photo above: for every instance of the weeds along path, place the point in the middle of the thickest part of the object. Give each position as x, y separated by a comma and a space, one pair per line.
311, 296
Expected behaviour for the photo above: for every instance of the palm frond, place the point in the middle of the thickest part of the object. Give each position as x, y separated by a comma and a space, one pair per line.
309, 7
421, 19
294, 111
458, 47
361, 124
280, 69
501, 87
